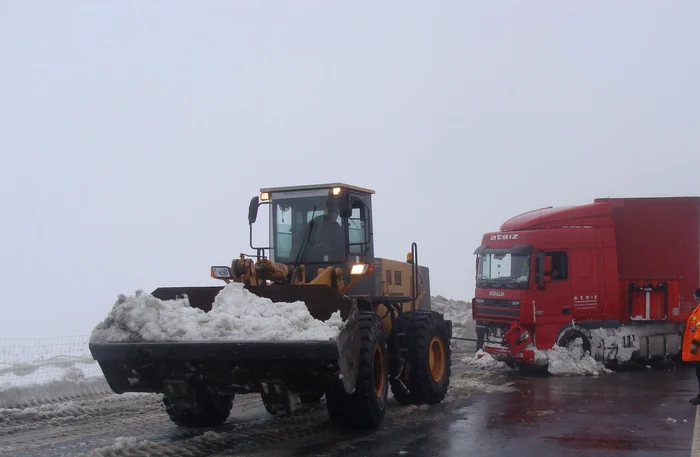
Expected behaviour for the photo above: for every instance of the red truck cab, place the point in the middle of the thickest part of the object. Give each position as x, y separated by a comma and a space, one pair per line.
617, 273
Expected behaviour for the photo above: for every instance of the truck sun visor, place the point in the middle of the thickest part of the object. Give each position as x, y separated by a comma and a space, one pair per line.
518, 249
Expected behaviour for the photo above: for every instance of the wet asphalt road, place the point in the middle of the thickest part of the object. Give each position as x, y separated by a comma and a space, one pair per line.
643, 413
622, 414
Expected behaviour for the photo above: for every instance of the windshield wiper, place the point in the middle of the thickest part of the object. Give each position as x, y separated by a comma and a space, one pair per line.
301, 255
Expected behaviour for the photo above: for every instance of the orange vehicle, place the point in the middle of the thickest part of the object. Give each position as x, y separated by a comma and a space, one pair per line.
320, 252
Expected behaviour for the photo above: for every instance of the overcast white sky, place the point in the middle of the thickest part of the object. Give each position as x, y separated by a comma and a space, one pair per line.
133, 134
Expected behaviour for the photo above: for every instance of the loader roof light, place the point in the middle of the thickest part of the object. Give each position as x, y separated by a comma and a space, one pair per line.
264, 196
221, 273
336, 191
359, 269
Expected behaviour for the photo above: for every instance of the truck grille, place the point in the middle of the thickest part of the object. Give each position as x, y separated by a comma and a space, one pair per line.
497, 308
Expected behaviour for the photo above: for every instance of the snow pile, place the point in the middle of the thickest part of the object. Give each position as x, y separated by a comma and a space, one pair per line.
484, 361
572, 360
42, 412
614, 342
460, 313
236, 314
122, 445
56, 379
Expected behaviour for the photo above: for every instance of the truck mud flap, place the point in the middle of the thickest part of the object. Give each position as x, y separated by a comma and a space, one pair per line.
233, 366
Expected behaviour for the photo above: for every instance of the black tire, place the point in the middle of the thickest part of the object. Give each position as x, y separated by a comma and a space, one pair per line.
214, 409
366, 406
310, 398
430, 358
401, 397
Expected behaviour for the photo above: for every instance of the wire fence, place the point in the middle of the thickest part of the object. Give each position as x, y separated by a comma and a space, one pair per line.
43, 360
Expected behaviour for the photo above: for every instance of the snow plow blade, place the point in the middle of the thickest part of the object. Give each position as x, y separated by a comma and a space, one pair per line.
240, 367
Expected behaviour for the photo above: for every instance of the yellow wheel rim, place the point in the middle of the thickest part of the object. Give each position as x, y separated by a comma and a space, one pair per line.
378, 365
436, 358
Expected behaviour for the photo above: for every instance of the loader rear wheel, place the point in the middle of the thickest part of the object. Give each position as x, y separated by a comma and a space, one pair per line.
366, 406
213, 409
429, 360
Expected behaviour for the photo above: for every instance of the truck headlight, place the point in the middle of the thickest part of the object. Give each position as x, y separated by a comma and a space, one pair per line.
523, 336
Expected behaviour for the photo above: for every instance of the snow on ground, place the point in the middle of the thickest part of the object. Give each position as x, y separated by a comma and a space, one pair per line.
55, 379
614, 338
237, 314
568, 361
484, 361
460, 313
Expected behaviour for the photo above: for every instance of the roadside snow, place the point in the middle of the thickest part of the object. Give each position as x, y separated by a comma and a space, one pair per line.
484, 361
59, 378
237, 314
614, 339
460, 313
573, 361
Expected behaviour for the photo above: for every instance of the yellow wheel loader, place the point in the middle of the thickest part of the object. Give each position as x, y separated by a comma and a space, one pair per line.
320, 252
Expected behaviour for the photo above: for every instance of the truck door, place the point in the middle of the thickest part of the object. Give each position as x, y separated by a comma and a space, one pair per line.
584, 283
552, 297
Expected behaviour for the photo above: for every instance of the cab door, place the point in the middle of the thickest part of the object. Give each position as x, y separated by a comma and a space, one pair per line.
552, 293
585, 284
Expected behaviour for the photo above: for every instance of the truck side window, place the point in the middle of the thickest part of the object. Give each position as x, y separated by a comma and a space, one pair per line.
560, 265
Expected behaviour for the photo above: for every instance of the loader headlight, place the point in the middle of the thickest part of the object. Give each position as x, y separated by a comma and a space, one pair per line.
359, 269
264, 196
336, 191
221, 273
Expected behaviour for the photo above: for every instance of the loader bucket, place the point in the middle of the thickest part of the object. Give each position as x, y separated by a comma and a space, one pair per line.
240, 366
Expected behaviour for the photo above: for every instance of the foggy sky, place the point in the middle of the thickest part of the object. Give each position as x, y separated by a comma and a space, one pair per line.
133, 134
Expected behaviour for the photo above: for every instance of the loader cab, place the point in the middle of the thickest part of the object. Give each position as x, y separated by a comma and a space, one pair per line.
318, 225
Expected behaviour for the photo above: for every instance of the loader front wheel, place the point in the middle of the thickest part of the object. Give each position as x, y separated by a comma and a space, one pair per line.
366, 406
211, 409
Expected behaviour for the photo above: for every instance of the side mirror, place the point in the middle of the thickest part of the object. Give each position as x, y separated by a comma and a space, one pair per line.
253, 209
344, 209
547, 266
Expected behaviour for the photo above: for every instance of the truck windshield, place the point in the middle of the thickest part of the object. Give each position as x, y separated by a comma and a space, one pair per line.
291, 216
498, 271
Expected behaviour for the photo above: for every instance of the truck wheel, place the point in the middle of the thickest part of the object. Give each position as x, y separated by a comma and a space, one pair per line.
366, 406
430, 358
567, 340
214, 409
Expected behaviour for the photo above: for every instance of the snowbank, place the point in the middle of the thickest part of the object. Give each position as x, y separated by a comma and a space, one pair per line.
573, 361
460, 313
562, 361
237, 314
614, 338
484, 361
56, 379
